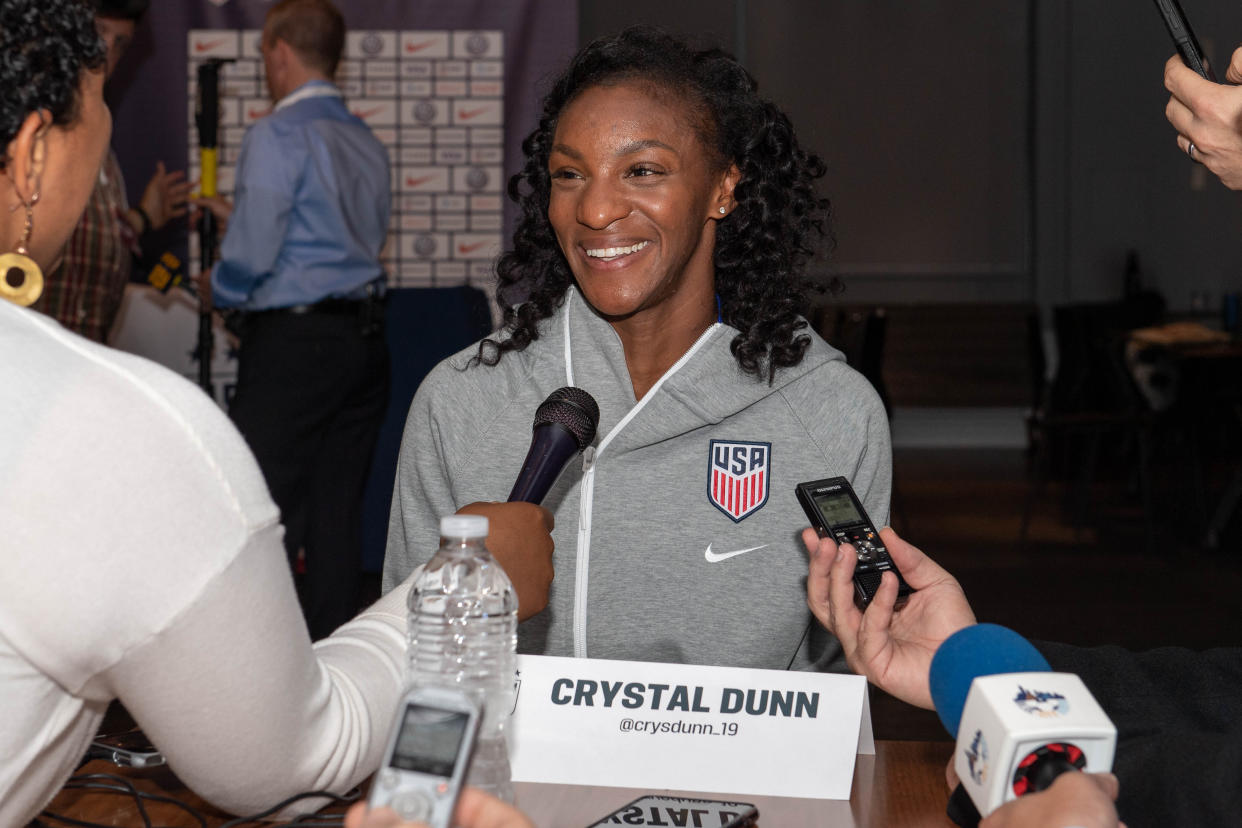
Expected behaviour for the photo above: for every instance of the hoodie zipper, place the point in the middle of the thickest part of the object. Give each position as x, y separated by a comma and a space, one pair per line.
590, 459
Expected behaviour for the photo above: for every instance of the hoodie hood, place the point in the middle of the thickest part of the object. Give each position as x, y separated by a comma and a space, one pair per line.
705, 390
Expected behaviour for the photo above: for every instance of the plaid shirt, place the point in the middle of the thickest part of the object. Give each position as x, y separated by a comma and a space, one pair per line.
84, 290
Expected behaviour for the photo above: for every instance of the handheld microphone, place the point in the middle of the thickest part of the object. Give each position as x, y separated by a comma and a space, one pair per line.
564, 425
1018, 725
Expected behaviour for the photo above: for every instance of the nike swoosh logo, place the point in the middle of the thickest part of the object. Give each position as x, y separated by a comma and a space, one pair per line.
467, 114
208, 45
717, 557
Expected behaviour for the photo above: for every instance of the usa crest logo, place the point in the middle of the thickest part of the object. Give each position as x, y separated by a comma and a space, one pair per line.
738, 474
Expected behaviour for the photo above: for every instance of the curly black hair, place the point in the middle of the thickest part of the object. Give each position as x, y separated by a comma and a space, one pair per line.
761, 246
44, 46
122, 9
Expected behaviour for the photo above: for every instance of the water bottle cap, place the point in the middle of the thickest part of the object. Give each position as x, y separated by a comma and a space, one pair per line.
463, 526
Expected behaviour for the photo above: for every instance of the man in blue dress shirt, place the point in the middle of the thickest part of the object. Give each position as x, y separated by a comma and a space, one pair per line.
300, 258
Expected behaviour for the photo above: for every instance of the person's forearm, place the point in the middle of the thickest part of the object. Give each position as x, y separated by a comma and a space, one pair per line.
236, 676
138, 220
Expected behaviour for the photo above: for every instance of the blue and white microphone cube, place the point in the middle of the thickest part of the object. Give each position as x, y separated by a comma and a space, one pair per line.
1019, 727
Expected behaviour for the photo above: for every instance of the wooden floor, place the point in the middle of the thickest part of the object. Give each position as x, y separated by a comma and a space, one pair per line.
1102, 583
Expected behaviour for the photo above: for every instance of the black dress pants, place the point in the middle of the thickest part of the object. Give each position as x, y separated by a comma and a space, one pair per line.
311, 393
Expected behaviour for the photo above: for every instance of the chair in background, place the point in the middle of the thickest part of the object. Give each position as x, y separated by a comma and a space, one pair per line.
870, 356
1091, 405
860, 334
422, 327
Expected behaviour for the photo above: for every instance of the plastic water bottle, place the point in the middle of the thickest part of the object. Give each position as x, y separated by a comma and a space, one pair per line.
463, 634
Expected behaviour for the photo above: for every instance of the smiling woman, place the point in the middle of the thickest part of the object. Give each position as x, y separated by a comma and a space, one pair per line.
701, 108
634, 203
666, 213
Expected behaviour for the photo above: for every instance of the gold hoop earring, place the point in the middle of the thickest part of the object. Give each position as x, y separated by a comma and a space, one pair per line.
21, 278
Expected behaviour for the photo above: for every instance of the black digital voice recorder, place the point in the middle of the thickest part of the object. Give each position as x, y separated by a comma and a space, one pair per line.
835, 511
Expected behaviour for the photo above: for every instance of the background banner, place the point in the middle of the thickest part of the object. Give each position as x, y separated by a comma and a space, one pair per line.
451, 87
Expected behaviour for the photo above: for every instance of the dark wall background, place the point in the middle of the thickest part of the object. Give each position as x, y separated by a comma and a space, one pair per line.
984, 151
978, 151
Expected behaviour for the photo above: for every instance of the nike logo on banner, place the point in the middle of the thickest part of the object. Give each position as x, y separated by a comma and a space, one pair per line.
208, 45
717, 557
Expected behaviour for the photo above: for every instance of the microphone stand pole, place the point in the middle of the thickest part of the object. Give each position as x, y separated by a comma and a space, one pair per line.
207, 119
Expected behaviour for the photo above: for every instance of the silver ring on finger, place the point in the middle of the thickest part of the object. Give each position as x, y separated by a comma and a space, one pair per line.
1190, 150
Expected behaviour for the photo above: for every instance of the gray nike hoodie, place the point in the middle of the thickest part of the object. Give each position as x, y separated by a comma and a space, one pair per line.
660, 555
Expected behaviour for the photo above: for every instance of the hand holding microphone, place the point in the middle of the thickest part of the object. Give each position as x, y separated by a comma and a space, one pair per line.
564, 426
1081, 800
519, 538
519, 534
1018, 725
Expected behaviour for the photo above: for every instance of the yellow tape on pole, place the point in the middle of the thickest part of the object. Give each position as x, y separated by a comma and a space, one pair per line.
207, 175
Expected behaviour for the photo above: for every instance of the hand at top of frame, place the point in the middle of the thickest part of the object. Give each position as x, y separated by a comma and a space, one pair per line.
892, 649
1209, 115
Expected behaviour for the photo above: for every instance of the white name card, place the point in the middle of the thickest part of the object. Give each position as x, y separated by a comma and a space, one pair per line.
632, 724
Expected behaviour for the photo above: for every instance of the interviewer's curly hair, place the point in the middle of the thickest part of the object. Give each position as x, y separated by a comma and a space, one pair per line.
760, 247
44, 46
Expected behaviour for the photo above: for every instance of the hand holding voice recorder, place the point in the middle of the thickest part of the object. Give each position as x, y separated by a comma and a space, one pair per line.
427, 757
836, 512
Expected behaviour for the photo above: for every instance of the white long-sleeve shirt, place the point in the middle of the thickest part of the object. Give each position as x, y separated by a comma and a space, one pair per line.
141, 559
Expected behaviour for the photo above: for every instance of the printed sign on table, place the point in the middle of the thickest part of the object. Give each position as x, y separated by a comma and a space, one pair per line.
680, 727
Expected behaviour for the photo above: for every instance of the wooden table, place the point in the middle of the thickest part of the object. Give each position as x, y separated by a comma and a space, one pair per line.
902, 786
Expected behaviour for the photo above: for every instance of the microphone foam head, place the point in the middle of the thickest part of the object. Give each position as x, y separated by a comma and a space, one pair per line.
981, 650
574, 410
